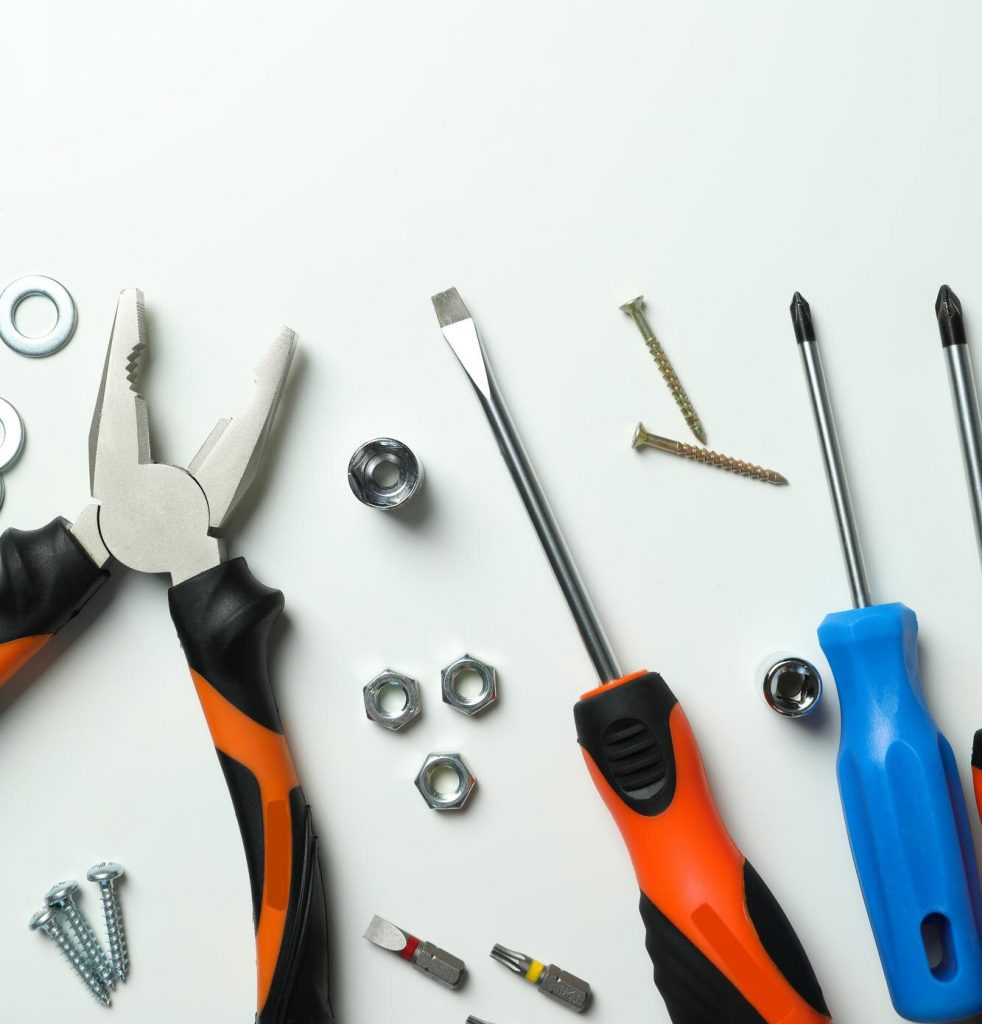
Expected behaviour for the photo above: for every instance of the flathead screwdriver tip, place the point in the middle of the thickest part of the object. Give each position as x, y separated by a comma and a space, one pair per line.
950, 322
801, 317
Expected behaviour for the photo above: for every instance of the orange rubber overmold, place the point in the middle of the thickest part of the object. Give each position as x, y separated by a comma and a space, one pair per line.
15, 654
267, 757
708, 905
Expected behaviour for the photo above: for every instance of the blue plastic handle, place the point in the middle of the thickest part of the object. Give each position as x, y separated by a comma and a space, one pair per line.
905, 813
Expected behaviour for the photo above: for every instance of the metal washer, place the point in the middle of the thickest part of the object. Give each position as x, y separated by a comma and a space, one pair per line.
59, 335
13, 435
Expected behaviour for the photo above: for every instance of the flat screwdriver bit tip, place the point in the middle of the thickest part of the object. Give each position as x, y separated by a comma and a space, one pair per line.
950, 322
801, 317
450, 308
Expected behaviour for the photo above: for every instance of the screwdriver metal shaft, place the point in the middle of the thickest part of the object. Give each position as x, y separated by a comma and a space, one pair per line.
961, 376
461, 334
818, 391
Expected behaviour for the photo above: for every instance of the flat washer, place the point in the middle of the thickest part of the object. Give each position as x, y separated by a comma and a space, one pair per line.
13, 435
59, 335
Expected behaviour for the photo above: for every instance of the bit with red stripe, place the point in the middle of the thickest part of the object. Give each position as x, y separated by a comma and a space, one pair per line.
440, 965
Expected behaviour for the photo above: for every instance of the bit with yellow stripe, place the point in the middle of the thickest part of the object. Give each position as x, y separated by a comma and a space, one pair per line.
550, 980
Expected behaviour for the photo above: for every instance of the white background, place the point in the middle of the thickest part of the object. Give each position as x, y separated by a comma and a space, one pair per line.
333, 165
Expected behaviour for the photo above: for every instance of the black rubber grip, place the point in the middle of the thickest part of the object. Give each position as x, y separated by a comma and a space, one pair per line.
224, 617
46, 578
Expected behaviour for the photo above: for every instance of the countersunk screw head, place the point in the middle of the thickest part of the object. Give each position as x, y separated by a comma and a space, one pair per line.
632, 307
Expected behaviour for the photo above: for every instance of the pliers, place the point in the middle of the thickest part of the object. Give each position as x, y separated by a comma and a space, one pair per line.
159, 518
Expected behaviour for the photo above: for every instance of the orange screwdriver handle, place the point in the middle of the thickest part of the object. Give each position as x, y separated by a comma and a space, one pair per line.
224, 617
45, 579
722, 948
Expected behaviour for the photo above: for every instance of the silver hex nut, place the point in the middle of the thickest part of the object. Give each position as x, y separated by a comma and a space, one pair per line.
485, 697
375, 704
437, 797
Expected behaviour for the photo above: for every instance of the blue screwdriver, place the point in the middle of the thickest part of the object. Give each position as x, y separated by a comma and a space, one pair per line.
901, 795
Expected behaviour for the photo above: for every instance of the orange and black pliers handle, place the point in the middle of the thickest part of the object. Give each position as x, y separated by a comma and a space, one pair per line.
224, 617
722, 948
45, 579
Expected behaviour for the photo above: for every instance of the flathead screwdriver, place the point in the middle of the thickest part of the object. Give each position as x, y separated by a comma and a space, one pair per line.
901, 794
722, 949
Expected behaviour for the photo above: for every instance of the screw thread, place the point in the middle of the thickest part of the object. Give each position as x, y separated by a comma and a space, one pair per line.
730, 464
112, 911
79, 965
678, 393
86, 938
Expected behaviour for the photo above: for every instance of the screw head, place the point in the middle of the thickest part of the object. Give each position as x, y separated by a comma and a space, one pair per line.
61, 892
632, 307
108, 871
42, 919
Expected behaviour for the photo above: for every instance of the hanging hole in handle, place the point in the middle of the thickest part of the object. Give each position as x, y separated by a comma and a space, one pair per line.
938, 947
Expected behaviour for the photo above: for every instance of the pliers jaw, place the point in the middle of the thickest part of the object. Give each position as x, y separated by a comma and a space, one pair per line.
155, 517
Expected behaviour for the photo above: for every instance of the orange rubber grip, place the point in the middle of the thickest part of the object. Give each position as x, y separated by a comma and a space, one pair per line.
977, 770
722, 948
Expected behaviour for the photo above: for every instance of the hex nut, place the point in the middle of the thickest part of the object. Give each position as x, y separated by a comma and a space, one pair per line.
489, 685
426, 777
373, 700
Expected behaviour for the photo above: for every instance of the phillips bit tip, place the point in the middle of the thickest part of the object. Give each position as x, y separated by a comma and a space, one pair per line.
949, 313
801, 317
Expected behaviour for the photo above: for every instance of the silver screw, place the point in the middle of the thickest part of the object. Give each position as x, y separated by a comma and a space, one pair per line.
106, 875
45, 921
63, 897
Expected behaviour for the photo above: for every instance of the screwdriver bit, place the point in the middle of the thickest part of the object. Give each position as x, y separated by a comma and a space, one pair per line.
551, 980
424, 956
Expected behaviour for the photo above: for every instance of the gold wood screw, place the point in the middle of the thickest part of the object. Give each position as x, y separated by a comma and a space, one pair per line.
635, 310
689, 451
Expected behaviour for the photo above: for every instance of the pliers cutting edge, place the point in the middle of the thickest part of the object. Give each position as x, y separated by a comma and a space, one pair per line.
158, 518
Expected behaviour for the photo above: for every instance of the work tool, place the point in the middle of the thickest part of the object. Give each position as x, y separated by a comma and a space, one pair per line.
46, 922
791, 686
961, 376
901, 794
432, 961
721, 946
644, 439
635, 310
384, 474
551, 981
62, 898
158, 518
445, 766
66, 316
474, 1020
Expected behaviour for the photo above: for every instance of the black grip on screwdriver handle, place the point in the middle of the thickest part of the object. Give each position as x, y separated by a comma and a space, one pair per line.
722, 948
224, 617
46, 578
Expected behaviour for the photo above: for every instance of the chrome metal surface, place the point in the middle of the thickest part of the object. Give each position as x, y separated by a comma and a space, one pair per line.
64, 897
155, 517
440, 965
85, 530
835, 474
450, 679
790, 685
436, 798
59, 335
550, 980
375, 708
958, 359
376, 455
12, 443
45, 921
106, 875
460, 331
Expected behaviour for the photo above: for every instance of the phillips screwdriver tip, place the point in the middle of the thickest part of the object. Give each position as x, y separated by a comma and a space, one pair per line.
801, 317
950, 322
